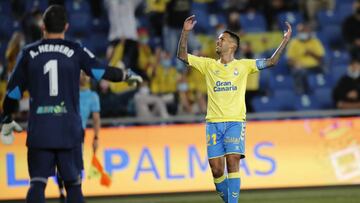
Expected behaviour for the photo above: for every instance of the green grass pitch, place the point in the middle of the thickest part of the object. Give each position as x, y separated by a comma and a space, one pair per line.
345, 194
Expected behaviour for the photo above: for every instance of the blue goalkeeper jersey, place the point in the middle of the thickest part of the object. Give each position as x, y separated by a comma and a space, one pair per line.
50, 69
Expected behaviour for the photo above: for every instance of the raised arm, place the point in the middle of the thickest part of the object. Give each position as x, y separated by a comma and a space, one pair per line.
189, 24
274, 59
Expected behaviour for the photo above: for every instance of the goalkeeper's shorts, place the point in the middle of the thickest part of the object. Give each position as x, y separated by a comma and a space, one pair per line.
42, 163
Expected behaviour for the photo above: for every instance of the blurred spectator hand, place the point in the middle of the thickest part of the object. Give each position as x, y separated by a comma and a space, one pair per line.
352, 95
132, 78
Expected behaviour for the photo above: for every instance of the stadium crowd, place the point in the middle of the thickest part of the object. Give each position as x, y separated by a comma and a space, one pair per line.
320, 70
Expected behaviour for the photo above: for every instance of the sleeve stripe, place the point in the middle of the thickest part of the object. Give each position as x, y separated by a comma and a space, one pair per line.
15, 93
97, 73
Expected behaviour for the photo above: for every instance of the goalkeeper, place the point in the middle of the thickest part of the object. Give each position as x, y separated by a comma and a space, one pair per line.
50, 70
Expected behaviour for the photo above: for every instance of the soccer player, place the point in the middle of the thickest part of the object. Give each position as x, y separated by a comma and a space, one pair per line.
226, 111
50, 69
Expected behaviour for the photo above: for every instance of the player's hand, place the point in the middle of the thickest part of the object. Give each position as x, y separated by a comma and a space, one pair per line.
189, 23
133, 78
95, 144
287, 34
7, 129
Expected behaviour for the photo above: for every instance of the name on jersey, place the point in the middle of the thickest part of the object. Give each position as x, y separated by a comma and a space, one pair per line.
59, 48
55, 109
224, 87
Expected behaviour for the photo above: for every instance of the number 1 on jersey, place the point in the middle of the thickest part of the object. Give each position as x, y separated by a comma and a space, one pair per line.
52, 67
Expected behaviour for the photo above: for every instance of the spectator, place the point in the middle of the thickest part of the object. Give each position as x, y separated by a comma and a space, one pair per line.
155, 11
346, 93
305, 54
351, 30
234, 22
176, 12
148, 105
311, 7
164, 78
272, 8
123, 30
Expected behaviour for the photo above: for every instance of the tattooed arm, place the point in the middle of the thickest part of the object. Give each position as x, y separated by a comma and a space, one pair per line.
273, 60
189, 24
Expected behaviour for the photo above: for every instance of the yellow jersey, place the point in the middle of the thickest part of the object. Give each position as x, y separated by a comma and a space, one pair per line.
226, 86
297, 51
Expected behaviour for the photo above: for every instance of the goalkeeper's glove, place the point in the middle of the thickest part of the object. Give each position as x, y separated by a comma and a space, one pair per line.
7, 135
132, 77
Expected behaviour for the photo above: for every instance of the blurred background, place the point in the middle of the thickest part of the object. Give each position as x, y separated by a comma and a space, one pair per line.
313, 93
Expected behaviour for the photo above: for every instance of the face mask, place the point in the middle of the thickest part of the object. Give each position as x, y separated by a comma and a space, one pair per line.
182, 87
166, 63
144, 40
354, 74
303, 36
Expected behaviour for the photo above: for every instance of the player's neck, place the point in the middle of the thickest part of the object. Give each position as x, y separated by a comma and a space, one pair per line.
54, 35
226, 58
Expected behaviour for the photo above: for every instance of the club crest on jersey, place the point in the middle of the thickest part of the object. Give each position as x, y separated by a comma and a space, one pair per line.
236, 72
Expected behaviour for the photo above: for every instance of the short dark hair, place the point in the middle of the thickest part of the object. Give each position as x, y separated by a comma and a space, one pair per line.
235, 37
55, 19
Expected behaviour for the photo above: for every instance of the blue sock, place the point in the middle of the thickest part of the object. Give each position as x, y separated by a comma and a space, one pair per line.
36, 192
221, 185
234, 187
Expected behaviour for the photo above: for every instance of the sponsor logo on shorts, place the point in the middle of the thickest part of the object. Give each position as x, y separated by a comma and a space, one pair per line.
234, 140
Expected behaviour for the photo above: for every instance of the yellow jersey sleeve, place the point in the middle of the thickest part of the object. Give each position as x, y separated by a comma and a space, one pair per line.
251, 65
197, 62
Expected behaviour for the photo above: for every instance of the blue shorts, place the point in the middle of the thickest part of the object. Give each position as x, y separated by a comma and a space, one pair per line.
42, 163
225, 138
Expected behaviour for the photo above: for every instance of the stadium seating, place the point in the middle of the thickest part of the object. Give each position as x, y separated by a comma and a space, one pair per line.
306, 102
294, 18
7, 26
337, 72
40, 4
253, 22
265, 104
200, 10
323, 96
281, 82
344, 8
329, 17
5, 8
80, 19
285, 99
319, 81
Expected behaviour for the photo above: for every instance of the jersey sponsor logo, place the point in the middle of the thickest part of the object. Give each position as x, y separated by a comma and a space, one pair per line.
55, 109
60, 48
224, 86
